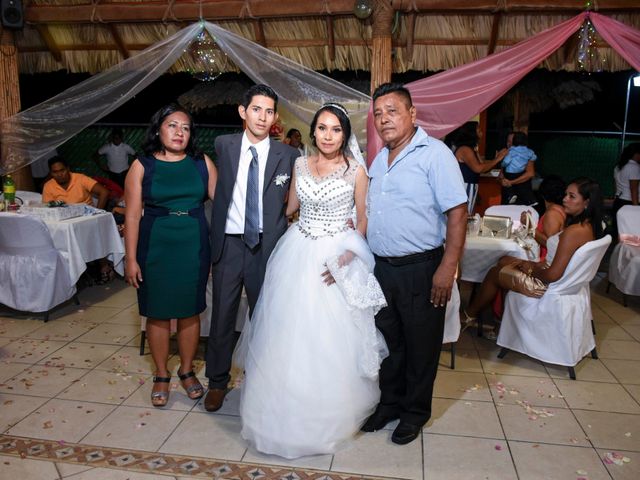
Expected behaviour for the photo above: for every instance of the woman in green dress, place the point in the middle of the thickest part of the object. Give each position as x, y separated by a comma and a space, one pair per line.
167, 247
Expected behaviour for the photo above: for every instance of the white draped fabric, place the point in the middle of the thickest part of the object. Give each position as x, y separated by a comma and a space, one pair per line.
33, 133
556, 328
33, 274
624, 266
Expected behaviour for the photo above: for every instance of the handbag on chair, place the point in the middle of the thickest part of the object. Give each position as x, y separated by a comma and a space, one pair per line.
525, 237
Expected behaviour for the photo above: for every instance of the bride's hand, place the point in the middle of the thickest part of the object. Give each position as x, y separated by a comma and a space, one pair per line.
328, 278
345, 258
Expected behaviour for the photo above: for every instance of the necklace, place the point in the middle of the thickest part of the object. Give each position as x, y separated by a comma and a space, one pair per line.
335, 165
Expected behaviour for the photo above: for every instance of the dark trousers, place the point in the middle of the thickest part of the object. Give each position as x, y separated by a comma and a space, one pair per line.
523, 191
119, 178
413, 328
238, 266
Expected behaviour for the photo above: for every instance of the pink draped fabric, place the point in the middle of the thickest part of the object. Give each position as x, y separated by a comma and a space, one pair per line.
448, 99
622, 38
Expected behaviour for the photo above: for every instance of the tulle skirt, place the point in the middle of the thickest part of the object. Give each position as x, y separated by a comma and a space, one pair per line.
310, 357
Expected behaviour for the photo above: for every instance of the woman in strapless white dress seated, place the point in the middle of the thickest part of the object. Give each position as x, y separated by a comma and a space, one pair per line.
583, 205
311, 352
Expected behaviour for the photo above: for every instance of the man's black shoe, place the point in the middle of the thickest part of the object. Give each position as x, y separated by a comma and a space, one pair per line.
378, 421
405, 433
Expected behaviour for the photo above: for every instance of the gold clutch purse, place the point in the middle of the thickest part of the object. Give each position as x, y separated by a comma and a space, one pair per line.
511, 278
495, 226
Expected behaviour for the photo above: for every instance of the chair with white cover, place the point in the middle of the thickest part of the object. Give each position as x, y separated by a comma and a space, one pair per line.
512, 211
452, 323
33, 273
25, 197
624, 265
556, 328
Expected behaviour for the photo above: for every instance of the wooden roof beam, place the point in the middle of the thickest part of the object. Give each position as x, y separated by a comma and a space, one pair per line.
331, 38
48, 40
124, 51
549, 6
305, 43
258, 31
495, 28
155, 10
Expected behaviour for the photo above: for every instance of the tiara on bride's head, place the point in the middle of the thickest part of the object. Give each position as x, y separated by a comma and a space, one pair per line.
337, 106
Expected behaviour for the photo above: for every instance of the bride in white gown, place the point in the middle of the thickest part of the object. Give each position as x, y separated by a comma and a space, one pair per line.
311, 351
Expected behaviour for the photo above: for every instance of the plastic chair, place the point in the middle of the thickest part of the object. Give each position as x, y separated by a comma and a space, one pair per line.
33, 273
512, 211
452, 323
557, 327
624, 265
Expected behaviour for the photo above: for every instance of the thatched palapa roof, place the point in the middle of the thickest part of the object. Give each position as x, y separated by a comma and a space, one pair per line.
428, 35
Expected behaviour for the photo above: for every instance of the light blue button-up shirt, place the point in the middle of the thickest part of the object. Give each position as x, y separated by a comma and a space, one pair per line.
407, 200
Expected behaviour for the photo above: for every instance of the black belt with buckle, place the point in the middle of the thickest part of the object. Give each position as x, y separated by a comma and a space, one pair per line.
159, 211
413, 258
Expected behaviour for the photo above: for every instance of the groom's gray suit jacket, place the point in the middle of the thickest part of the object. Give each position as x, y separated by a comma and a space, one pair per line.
274, 223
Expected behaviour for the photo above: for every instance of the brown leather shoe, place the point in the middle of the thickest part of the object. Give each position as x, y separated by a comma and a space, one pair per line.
213, 400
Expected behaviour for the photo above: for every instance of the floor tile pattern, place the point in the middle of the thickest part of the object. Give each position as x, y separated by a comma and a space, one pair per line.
74, 404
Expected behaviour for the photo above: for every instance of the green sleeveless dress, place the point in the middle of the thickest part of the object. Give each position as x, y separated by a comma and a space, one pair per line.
173, 243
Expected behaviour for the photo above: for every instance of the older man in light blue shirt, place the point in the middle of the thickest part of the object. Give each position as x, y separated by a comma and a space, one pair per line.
416, 202
407, 199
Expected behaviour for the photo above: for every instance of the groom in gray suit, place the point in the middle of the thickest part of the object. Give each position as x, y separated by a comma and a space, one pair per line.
248, 218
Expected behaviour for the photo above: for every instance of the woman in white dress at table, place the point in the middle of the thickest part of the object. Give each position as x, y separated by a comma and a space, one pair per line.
311, 351
582, 203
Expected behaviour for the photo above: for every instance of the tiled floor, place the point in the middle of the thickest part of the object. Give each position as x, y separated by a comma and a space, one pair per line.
75, 404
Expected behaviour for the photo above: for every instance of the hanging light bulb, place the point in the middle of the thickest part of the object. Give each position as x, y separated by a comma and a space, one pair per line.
363, 9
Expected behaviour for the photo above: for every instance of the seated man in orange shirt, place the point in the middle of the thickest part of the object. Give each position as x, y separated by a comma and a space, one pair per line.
72, 187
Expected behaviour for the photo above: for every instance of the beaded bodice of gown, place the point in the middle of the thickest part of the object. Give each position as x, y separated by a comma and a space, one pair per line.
326, 203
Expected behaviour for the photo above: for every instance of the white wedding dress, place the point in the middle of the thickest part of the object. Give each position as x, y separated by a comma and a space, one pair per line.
311, 351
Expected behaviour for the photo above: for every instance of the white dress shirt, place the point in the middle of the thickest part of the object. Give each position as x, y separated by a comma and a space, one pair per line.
235, 216
117, 156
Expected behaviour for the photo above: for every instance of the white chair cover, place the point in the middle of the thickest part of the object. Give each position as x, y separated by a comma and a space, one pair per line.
513, 211
452, 317
624, 266
557, 327
28, 197
33, 274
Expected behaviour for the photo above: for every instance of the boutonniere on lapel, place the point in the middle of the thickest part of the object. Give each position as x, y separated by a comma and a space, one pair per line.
281, 179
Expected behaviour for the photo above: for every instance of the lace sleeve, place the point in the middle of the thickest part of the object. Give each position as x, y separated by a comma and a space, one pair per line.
351, 173
301, 167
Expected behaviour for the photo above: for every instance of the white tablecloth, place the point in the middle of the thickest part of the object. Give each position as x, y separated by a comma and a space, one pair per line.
88, 238
482, 253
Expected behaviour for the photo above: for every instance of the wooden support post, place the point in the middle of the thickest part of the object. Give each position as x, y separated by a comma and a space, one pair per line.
10, 97
381, 60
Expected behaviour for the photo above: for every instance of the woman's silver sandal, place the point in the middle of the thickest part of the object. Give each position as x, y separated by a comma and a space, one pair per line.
195, 390
160, 399
466, 320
